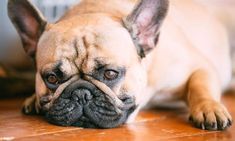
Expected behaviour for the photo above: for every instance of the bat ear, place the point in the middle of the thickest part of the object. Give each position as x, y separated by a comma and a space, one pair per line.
28, 22
144, 23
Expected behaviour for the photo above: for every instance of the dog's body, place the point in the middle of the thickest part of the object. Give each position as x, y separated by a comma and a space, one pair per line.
190, 60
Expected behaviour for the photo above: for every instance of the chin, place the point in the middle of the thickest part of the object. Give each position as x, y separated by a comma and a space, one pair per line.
84, 105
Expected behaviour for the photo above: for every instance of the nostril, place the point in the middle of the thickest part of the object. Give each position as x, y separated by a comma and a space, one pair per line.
127, 99
81, 95
129, 103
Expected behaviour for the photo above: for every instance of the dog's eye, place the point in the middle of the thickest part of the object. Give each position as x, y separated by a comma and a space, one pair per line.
52, 79
110, 74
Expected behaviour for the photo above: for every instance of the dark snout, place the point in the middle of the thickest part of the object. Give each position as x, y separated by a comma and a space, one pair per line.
83, 104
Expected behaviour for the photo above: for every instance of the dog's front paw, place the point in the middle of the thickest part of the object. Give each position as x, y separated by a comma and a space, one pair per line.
210, 115
30, 106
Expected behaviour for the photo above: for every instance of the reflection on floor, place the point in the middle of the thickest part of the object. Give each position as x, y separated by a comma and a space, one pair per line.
158, 125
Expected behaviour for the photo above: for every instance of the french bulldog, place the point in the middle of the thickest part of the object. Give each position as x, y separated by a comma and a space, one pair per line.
104, 60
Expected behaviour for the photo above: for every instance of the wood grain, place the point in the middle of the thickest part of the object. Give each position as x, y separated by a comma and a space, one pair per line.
156, 124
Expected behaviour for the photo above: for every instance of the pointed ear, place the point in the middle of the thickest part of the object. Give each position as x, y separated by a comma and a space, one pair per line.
28, 22
144, 22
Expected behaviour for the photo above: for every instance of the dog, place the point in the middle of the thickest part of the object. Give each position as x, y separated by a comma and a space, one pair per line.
104, 60
225, 12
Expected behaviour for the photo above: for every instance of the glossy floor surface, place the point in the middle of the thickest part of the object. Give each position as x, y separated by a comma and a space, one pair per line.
157, 125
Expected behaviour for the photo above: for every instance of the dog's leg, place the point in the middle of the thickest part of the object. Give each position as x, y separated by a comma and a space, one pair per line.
203, 99
30, 105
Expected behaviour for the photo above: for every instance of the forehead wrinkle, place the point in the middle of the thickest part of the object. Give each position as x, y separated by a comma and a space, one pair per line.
90, 43
86, 62
75, 45
81, 52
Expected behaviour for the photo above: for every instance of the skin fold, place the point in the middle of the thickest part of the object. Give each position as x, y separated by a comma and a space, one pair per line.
104, 60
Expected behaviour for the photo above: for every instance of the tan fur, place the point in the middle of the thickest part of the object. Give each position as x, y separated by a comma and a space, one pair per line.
225, 12
191, 61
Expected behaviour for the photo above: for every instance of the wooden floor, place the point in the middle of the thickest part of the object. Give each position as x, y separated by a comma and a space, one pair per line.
157, 125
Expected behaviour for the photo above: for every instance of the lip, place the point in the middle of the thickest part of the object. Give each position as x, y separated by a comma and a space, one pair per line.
72, 114
83, 104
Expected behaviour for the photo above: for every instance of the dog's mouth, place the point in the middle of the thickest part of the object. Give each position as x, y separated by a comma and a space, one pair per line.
83, 104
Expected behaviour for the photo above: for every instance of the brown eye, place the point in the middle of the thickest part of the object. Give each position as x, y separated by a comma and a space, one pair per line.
110, 74
52, 79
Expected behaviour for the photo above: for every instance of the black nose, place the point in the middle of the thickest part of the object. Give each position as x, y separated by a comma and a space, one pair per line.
81, 95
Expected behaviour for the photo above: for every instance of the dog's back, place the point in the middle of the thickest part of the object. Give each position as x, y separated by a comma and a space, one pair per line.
115, 8
207, 36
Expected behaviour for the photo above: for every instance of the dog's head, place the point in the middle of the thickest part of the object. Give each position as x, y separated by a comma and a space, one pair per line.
90, 69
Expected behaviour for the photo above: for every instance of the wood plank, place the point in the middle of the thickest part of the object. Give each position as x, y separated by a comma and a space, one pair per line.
157, 124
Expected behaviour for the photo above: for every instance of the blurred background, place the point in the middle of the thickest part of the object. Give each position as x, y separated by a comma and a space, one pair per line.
11, 52
16, 67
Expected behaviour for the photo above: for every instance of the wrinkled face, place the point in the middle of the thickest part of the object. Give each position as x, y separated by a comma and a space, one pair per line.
88, 75
90, 69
